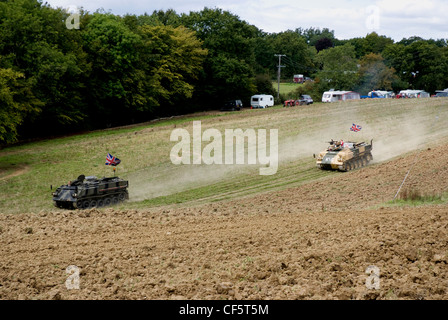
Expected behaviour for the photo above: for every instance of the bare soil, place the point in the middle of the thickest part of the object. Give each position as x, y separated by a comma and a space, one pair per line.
312, 242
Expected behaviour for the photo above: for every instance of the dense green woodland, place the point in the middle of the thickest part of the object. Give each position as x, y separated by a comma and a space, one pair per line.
116, 70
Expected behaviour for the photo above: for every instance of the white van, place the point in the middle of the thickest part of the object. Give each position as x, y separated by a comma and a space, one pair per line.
261, 101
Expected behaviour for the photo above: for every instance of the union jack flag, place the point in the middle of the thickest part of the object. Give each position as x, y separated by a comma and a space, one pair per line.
112, 161
356, 128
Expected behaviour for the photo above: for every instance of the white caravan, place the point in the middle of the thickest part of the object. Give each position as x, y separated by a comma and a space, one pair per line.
261, 101
335, 96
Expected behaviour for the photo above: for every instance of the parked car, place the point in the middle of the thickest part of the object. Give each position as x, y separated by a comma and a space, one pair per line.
232, 105
305, 100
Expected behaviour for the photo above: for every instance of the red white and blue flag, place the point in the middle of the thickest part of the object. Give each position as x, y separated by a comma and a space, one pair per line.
112, 161
356, 128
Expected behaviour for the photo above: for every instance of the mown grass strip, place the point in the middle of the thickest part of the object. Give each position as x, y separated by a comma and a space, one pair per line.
243, 186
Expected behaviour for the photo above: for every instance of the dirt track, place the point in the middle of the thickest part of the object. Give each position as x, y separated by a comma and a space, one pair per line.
312, 242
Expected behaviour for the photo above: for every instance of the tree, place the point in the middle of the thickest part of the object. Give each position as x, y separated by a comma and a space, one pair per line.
171, 59
11, 111
429, 60
313, 35
410, 40
113, 54
229, 67
264, 53
299, 56
421, 64
339, 68
264, 85
444, 51
35, 41
16, 103
372, 43
324, 43
161, 18
375, 75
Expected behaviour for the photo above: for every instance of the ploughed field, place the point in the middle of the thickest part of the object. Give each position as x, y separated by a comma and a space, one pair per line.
318, 237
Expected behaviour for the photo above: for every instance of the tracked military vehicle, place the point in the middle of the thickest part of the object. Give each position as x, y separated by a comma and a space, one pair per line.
91, 192
345, 156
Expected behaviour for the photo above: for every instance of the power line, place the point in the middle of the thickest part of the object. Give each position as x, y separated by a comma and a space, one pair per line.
296, 66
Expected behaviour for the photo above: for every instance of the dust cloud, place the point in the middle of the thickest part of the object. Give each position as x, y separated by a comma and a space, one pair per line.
393, 135
157, 182
408, 134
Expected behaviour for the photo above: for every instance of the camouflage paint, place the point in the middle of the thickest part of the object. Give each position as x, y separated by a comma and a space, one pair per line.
78, 194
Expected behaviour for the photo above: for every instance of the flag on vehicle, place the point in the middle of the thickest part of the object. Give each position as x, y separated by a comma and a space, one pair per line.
356, 128
112, 161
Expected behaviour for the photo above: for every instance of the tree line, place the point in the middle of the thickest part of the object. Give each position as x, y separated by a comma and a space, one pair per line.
117, 70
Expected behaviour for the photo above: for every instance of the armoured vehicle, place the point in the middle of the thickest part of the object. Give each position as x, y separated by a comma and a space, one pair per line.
345, 156
91, 192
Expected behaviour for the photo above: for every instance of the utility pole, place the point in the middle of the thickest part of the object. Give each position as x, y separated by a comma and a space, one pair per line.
279, 71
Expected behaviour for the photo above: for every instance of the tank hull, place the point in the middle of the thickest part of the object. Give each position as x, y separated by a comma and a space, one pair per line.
351, 157
91, 193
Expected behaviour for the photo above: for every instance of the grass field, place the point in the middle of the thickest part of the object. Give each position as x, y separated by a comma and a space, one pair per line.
396, 126
286, 88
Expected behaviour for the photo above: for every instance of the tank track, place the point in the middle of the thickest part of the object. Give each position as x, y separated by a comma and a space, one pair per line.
94, 202
357, 163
